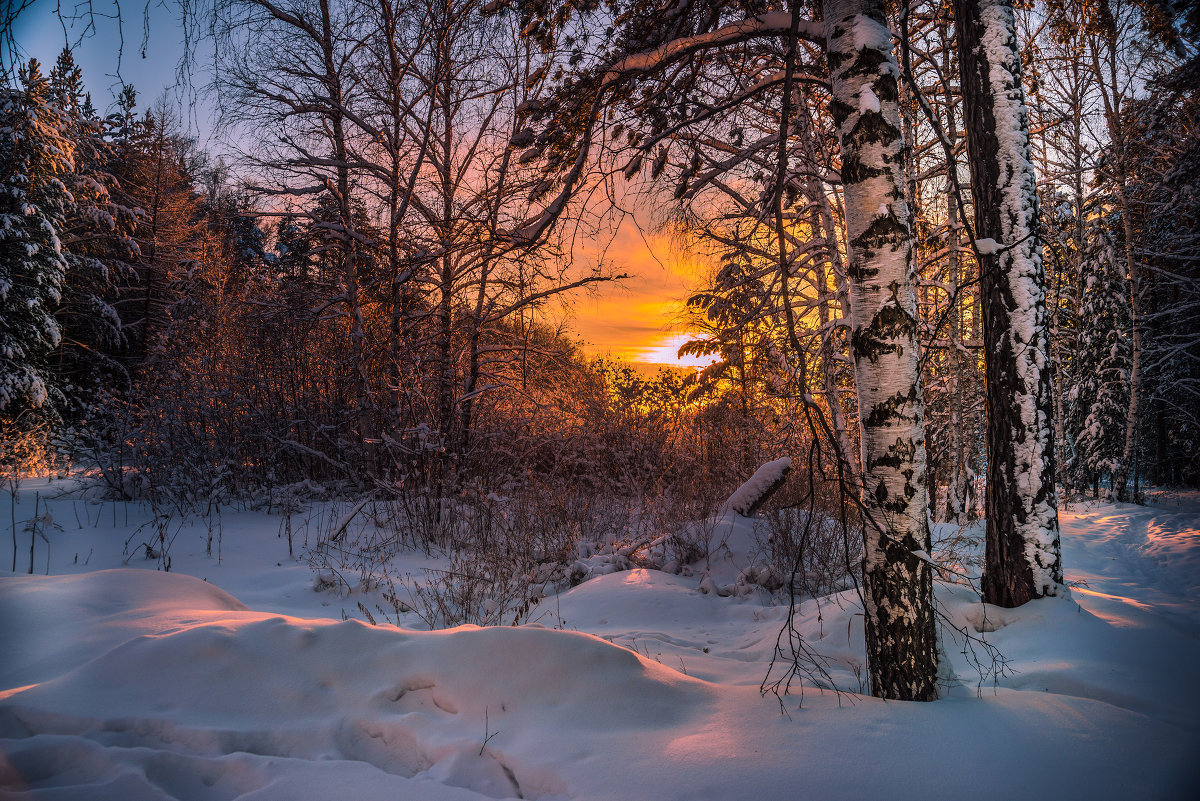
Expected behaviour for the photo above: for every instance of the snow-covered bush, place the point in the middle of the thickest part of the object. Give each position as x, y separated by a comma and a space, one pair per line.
815, 550
500, 556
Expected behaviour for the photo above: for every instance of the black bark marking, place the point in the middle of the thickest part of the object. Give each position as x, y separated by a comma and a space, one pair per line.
869, 128
840, 111
882, 232
892, 409
868, 62
887, 89
855, 171
889, 329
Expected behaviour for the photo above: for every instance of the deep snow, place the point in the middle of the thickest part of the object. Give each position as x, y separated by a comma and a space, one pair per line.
238, 679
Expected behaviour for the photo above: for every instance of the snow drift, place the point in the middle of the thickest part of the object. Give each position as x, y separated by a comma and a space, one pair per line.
132, 684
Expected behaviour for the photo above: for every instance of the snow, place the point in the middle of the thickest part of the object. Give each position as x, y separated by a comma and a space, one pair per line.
867, 101
748, 496
235, 679
868, 34
987, 246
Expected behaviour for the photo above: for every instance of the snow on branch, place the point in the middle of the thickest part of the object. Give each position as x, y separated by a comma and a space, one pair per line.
750, 497
769, 24
987, 246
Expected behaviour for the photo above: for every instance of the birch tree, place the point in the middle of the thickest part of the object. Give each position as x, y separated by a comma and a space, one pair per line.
897, 581
649, 66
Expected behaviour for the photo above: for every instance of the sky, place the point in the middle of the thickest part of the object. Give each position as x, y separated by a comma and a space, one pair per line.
637, 319
142, 48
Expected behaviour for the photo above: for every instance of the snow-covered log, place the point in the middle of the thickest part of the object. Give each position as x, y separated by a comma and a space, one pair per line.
750, 497
897, 586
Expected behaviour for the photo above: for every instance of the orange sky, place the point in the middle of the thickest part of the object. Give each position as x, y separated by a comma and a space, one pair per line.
637, 319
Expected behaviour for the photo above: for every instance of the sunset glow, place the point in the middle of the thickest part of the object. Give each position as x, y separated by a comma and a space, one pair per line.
640, 318
347, 450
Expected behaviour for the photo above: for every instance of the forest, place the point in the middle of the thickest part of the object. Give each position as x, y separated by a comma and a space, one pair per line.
950, 306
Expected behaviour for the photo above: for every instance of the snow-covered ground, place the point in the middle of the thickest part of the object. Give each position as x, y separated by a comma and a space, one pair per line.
240, 679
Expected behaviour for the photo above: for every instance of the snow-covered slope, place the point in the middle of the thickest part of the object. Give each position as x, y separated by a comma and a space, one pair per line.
131, 683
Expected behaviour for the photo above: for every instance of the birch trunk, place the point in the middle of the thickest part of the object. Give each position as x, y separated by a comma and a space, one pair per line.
901, 636
1022, 558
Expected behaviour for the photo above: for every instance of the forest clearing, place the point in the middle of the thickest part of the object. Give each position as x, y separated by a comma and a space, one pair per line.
574, 399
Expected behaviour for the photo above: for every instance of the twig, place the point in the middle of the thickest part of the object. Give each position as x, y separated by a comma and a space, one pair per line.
487, 738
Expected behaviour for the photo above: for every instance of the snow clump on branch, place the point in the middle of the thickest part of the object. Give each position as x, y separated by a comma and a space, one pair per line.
749, 497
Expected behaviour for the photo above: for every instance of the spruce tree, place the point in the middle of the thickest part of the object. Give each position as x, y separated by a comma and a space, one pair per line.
1100, 396
96, 245
35, 156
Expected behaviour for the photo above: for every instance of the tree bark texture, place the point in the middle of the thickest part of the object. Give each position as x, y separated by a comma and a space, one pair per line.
1023, 560
901, 635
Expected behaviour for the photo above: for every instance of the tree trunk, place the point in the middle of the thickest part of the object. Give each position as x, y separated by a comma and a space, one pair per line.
350, 249
1121, 474
902, 653
445, 227
958, 492
826, 228
1022, 554
956, 500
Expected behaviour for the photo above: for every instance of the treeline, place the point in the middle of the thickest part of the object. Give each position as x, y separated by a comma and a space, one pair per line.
201, 341
379, 244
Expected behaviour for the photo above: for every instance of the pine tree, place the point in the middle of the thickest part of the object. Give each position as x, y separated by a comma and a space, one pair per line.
729, 314
35, 157
1023, 559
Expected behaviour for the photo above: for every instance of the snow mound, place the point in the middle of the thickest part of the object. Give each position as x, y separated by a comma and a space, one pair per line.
195, 699
91, 613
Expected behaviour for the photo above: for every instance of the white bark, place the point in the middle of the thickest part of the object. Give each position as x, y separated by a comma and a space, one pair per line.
901, 637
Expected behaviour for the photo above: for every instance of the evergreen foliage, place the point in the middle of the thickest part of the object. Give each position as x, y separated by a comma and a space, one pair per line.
97, 246
1099, 395
36, 160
